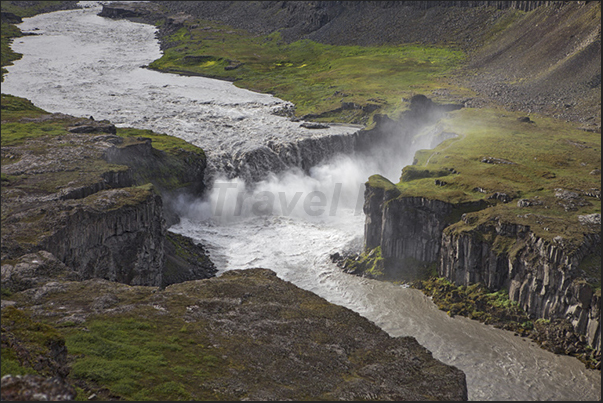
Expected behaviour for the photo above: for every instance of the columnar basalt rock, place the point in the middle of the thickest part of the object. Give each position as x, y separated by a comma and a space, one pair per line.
123, 244
406, 227
412, 227
542, 276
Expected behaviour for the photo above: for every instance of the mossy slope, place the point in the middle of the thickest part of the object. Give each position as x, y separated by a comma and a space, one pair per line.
244, 335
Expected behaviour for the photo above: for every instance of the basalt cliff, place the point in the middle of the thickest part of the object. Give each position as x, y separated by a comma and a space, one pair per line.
87, 259
544, 276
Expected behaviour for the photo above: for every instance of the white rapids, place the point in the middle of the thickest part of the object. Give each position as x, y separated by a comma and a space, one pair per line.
85, 65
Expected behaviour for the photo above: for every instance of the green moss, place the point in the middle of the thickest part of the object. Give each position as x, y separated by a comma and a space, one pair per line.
530, 161
27, 344
170, 144
369, 263
412, 172
316, 77
9, 31
475, 301
140, 359
18, 133
378, 181
15, 108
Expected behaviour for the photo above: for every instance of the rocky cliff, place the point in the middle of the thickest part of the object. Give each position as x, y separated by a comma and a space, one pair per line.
70, 202
544, 276
104, 239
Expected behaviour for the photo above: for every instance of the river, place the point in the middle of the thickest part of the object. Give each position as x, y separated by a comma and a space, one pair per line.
85, 65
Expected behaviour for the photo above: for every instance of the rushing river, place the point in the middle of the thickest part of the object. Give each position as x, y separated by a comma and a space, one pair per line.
85, 65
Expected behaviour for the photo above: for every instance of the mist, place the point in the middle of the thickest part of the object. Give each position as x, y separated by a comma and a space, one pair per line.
330, 191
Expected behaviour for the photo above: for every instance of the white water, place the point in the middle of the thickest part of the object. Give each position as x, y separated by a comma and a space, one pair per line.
86, 65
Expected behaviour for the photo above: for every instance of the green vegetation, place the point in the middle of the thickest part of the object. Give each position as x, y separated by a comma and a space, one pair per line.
372, 264
331, 83
17, 133
476, 302
133, 357
15, 108
141, 359
378, 181
412, 172
526, 161
9, 31
369, 263
170, 144
27, 345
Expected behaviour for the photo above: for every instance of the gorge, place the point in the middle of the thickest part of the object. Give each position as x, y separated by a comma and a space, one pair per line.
297, 245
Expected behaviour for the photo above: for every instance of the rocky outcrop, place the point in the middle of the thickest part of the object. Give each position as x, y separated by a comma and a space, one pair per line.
35, 387
257, 337
72, 210
34, 270
180, 171
542, 276
110, 238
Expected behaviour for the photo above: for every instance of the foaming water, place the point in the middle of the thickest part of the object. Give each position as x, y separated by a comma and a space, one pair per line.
84, 65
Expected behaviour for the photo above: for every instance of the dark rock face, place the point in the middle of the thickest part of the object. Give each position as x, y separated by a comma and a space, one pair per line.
123, 244
35, 387
185, 260
543, 277
406, 227
93, 127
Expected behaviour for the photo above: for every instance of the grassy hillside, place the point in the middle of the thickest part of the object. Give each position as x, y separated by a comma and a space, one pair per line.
337, 83
495, 152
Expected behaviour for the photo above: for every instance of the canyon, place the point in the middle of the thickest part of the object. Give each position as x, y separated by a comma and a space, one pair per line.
111, 224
